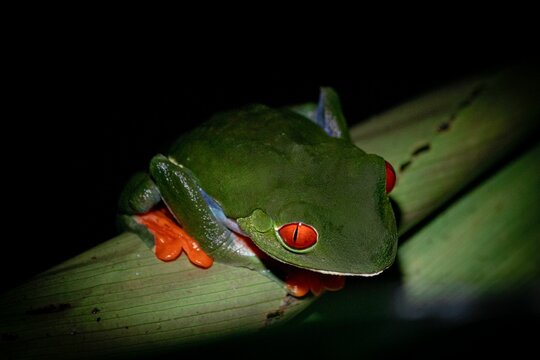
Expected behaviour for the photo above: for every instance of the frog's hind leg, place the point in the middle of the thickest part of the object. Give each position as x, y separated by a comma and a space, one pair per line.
139, 196
327, 114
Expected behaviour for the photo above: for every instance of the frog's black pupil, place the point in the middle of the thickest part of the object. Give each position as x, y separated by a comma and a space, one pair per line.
295, 234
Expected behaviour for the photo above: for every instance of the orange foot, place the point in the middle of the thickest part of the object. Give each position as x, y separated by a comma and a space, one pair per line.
171, 239
299, 282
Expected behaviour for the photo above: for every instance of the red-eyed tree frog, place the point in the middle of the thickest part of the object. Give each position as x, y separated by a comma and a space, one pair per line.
259, 184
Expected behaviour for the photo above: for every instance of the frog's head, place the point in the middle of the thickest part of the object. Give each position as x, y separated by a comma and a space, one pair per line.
333, 217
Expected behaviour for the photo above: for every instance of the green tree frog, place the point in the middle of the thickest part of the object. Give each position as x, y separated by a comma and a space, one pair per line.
261, 186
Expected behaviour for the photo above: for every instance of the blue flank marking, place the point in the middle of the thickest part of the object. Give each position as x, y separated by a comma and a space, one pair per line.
328, 125
320, 120
218, 213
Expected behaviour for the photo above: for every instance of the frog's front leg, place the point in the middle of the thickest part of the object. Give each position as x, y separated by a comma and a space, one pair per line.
155, 205
202, 217
170, 239
143, 213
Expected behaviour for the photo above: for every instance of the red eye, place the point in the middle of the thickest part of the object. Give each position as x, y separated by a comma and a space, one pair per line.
390, 177
298, 236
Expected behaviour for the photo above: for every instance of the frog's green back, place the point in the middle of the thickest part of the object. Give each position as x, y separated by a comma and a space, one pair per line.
242, 157
286, 165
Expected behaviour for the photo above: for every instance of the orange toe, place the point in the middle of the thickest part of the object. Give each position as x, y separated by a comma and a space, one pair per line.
297, 283
171, 239
300, 282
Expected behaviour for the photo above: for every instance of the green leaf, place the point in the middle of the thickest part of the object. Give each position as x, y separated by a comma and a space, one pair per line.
118, 298
486, 244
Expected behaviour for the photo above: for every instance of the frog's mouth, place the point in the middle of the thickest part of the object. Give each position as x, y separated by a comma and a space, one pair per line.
345, 273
